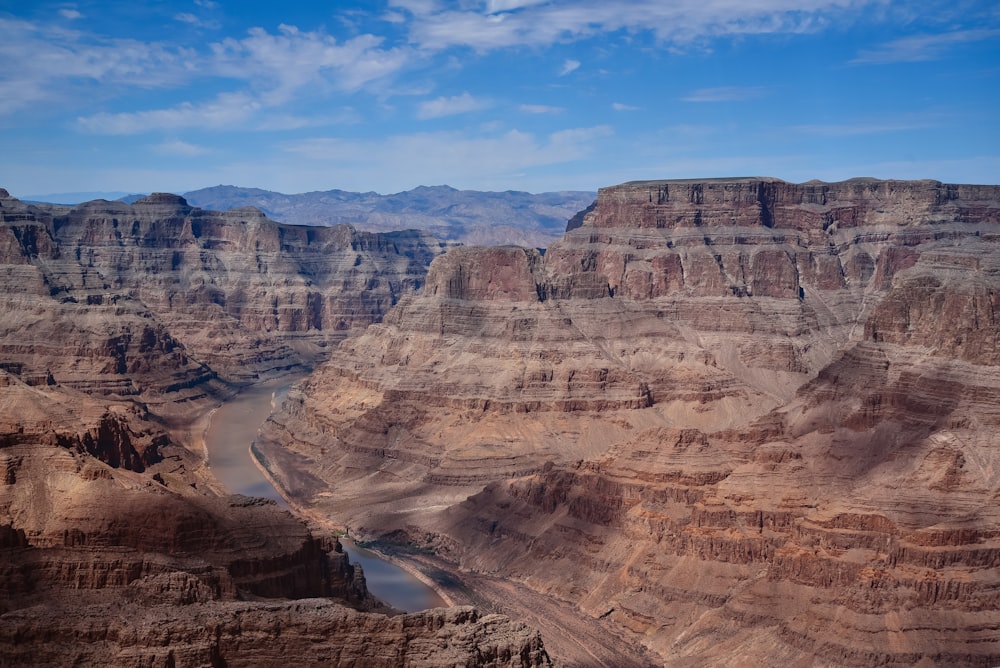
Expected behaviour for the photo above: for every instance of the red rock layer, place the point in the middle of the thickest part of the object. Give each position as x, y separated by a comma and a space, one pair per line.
166, 293
102, 565
751, 421
120, 325
279, 633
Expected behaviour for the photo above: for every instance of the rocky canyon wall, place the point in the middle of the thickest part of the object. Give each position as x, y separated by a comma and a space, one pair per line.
120, 326
195, 292
741, 419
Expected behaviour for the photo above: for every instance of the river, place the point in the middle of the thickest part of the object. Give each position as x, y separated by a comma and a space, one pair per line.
232, 429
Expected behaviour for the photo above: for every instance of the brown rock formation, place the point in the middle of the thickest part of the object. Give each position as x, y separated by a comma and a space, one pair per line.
102, 563
108, 568
239, 293
744, 419
308, 632
120, 324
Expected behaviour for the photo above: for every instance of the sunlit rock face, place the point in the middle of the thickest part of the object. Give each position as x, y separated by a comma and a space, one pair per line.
115, 550
163, 289
746, 420
103, 566
119, 326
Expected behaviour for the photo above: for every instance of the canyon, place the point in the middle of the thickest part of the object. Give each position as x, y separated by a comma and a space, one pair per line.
734, 421
123, 327
720, 421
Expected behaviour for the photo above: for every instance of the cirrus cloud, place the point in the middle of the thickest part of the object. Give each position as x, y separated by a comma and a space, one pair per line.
724, 94
569, 66
225, 111
917, 48
450, 106
180, 148
437, 27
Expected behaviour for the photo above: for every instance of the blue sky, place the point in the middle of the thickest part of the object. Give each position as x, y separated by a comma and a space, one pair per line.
529, 95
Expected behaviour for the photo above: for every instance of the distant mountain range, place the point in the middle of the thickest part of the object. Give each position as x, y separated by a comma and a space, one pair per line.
471, 217
468, 216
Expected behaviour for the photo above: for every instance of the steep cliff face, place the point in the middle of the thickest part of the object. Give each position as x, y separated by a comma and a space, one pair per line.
308, 632
122, 324
105, 570
740, 418
144, 290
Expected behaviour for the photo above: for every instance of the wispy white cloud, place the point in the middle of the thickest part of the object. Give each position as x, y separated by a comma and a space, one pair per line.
273, 121
725, 94
47, 63
71, 14
227, 111
918, 48
393, 17
497, 6
618, 106
864, 127
417, 7
450, 106
540, 109
292, 59
569, 66
180, 148
560, 21
197, 21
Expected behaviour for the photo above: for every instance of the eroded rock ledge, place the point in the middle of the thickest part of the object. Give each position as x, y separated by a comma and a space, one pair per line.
739, 417
121, 325
174, 295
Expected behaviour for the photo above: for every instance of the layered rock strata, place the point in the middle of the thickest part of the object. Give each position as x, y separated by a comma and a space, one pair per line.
163, 289
745, 419
105, 566
114, 551
120, 326
308, 632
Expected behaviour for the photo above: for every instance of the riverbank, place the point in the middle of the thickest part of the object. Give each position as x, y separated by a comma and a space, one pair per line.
577, 640
571, 638
228, 433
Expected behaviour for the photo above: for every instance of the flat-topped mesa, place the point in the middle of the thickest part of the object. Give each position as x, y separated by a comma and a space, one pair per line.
773, 203
740, 416
760, 237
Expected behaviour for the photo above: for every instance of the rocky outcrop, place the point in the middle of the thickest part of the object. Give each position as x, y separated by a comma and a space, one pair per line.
739, 418
146, 289
122, 325
308, 632
102, 565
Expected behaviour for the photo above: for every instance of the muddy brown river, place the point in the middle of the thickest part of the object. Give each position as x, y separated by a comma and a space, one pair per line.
230, 433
